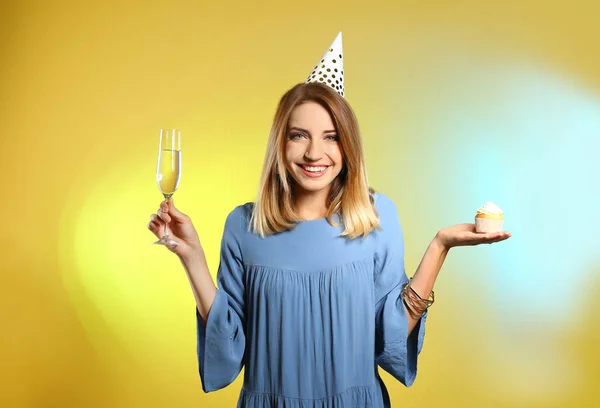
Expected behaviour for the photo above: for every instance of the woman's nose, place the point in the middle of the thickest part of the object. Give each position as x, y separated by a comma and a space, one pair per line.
314, 152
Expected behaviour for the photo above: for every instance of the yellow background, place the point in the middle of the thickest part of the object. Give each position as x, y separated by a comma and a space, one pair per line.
460, 102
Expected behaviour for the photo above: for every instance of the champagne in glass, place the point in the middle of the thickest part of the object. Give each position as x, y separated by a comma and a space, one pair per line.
168, 170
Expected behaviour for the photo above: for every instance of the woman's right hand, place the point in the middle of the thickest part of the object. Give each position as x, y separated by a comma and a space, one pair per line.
181, 230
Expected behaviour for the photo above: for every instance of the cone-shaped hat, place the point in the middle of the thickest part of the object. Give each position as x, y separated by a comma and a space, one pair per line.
330, 69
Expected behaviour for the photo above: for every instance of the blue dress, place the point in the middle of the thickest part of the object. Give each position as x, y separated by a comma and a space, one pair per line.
310, 315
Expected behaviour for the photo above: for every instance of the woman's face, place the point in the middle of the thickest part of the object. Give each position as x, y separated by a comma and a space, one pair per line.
312, 153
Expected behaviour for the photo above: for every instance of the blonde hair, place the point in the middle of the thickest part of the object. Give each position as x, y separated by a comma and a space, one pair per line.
350, 196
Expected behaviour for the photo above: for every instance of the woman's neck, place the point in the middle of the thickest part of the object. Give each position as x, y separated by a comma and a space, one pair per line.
311, 205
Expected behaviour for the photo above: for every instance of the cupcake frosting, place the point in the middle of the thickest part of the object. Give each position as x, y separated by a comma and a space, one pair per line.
489, 208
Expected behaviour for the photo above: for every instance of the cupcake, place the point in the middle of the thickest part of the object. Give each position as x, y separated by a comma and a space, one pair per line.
489, 218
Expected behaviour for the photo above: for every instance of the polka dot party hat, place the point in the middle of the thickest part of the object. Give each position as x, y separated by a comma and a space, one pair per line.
330, 69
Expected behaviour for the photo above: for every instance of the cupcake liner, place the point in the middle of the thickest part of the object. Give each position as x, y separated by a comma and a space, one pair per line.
488, 225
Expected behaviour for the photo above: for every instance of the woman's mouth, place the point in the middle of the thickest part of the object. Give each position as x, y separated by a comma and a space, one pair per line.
313, 171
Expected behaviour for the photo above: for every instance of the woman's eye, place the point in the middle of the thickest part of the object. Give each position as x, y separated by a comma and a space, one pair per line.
332, 138
296, 136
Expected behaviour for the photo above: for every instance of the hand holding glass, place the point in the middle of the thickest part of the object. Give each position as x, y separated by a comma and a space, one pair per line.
168, 170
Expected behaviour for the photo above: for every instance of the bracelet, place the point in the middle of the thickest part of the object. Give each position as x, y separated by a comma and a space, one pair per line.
415, 304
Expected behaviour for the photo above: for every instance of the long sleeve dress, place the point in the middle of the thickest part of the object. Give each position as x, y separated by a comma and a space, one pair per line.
310, 315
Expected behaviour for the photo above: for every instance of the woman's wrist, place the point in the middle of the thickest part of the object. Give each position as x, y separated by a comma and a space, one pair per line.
438, 243
194, 258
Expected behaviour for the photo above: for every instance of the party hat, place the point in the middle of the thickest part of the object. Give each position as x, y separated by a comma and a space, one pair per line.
330, 69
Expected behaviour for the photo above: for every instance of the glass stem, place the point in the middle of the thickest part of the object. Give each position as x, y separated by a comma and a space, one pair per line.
166, 234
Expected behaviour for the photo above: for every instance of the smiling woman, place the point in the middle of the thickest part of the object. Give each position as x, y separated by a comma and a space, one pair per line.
314, 165
312, 292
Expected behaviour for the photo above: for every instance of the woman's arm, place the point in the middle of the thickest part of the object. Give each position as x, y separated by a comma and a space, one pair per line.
190, 252
426, 273
433, 259
203, 287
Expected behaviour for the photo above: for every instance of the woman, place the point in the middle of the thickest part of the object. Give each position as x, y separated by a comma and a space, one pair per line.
312, 294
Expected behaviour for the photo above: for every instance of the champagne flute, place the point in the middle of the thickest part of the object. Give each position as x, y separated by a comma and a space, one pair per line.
168, 171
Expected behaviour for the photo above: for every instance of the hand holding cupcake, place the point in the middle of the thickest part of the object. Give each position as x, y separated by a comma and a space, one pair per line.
487, 229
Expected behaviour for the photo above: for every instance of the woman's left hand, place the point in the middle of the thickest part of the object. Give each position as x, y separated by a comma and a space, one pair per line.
464, 234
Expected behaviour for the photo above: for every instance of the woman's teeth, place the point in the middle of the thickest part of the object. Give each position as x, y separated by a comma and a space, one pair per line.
314, 169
